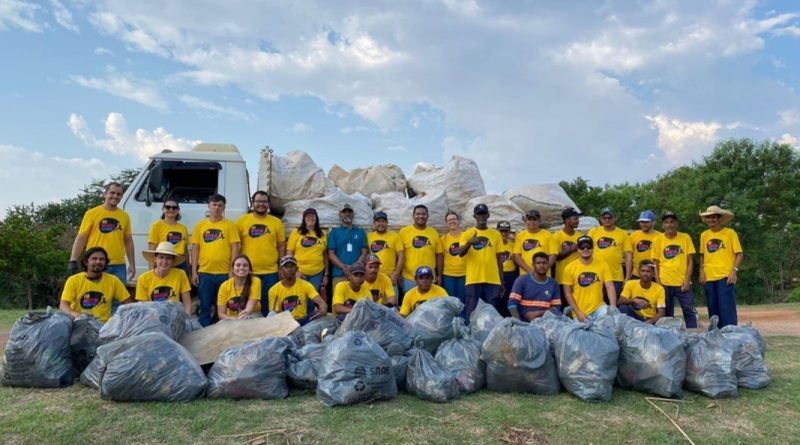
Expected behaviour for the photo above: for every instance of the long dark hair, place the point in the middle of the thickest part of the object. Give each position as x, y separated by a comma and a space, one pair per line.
248, 280
170, 199
304, 230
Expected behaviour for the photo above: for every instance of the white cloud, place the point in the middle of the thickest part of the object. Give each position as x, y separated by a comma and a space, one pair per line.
300, 127
19, 14
397, 148
146, 93
137, 39
204, 105
63, 16
356, 129
100, 51
789, 117
684, 141
788, 139
140, 144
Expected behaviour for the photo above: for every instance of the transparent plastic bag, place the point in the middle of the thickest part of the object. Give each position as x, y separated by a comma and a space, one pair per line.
462, 356
433, 321
37, 354
428, 380
253, 370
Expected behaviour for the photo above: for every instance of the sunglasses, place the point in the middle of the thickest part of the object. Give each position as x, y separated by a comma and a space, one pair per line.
584, 247
171, 207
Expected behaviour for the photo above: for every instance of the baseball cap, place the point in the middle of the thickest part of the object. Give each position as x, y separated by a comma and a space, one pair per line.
379, 215
372, 258
310, 210
503, 225
569, 212
534, 214
669, 214
422, 271
607, 210
480, 209
584, 240
288, 259
346, 208
358, 268
647, 216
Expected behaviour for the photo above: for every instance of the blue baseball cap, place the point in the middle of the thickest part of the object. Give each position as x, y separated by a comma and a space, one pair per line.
422, 271
647, 216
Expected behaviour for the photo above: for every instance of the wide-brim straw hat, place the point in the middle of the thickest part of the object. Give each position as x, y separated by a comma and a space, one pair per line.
725, 216
165, 248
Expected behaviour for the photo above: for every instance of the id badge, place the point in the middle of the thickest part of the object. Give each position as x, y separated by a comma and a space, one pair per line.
349, 247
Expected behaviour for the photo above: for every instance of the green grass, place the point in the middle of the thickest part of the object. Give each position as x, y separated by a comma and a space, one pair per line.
78, 415
9, 316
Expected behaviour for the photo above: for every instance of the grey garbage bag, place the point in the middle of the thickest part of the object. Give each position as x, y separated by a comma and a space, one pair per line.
191, 325
518, 359
83, 341
304, 364
550, 323
313, 331
462, 356
133, 319
433, 321
37, 354
587, 357
428, 380
677, 327
382, 324
751, 368
482, 320
610, 317
147, 367
400, 369
710, 366
651, 360
355, 369
253, 370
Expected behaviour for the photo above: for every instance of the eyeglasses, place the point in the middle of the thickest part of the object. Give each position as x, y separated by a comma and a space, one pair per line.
584, 247
171, 207
260, 201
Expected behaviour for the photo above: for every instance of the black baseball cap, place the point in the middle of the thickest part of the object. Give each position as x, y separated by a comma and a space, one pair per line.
533, 214
380, 215
669, 214
569, 212
346, 208
481, 209
583, 240
503, 225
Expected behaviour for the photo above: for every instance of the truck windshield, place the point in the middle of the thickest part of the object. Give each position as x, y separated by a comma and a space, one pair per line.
187, 182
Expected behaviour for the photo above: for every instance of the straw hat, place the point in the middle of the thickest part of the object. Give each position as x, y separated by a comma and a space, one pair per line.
725, 216
165, 248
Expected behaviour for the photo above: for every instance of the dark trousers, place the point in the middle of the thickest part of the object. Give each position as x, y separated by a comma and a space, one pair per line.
629, 311
489, 293
267, 281
617, 286
686, 300
207, 291
721, 299
455, 288
508, 282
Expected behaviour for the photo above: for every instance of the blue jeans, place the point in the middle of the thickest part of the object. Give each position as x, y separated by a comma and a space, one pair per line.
207, 291
316, 281
455, 287
686, 300
721, 299
407, 286
121, 272
489, 293
267, 281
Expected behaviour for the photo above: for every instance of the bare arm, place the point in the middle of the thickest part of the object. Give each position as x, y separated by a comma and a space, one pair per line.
281, 250
186, 299
130, 253
322, 307
521, 263
64, 307
702, 274
439, 268
195, 264
77, 246
612, 293
401, 259
628, 265
687, 280
736, 263
571, 301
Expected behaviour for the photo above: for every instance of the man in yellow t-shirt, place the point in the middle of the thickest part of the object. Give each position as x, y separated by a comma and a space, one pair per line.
164, 282
613, 246
584, 281
93, 290
643, 299
109, 227
424, 290
421, 247
673, 253
535, 239
480, 248
642, 239
263, 241
509, 266
378, 283
215, 243
721, 255
347, 293
293, 294
388, 246
564, 245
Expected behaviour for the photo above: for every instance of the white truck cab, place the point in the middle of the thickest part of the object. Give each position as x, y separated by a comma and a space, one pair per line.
190, 177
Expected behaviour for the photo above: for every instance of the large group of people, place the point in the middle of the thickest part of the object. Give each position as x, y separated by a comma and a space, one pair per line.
249, 267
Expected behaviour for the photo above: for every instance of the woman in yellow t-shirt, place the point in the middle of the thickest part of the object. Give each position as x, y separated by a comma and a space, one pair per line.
309, 244
240, 296
168, 228
455, 271
165, 282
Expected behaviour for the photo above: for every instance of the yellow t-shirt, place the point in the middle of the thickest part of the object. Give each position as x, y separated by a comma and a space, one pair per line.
719, 251
177, 235
214, 239
506, 254
527, 244
309, 250
231, 298
587, 282
654, 295
561, 241
414, 298
385, 246
294, 298
345, 295
481, 258
610, 247
150, 287
107, 229
89, 297
420, 248
260, 238
672, 256
381, 289
453, 263
642, 244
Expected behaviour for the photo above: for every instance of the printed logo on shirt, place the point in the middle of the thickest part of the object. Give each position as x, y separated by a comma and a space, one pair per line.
455, 249
174, 237
257, 230
420, 241
482, 242
161, 293
108, 225
643, 246
672, 251
308, 241
606, 242
566, 245
349, 302
530, 244
714, 245
376, 294
91, 299
377, 246
211, 235
236, 304
586, 279
289, 303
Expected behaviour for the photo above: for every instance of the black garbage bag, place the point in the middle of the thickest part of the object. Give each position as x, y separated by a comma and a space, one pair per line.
433, 321
314, 330
482, 320
462, 356
146, 367
304, 364
83, 342
37, 354
587, 357
550, 323
751, 368
167, 317
253, 370
428, 380
518, 359
400, 369
651, 360
355, 369
710, 365
382, 324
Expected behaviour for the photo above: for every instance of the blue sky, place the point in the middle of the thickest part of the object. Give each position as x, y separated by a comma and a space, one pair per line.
534, 91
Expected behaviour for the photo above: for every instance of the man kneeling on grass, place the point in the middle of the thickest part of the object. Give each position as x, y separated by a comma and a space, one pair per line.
643, 299
535, 293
